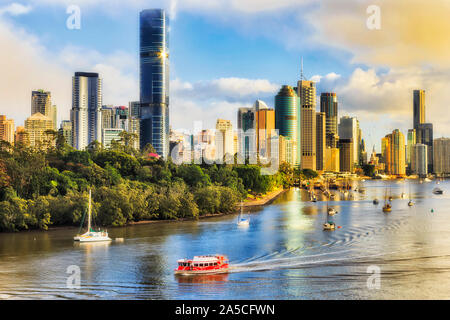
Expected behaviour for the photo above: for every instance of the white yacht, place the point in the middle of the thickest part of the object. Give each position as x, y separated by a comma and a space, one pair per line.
91, 235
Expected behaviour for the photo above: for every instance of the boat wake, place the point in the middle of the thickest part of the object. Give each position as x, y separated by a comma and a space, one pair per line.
322, 259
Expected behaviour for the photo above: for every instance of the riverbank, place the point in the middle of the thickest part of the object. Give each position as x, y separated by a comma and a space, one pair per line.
265, 200
250, 203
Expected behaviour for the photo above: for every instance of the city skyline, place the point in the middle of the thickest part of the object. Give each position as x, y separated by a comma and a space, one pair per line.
214, 93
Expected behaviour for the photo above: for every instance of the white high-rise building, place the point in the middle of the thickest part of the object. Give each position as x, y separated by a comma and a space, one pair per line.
86, 113
224, 139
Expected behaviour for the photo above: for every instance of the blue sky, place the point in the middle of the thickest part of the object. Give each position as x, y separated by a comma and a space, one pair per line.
226, 54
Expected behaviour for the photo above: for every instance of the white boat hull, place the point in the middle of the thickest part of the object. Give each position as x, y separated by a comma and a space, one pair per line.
92, 237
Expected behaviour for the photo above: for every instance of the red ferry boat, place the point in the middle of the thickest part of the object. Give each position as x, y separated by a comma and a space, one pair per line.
203, 265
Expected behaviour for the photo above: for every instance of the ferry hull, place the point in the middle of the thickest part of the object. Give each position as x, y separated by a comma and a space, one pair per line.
199, 272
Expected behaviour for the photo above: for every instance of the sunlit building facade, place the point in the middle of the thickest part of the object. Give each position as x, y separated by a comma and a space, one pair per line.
441, 156
86, 115
306, 91
7, 129
36, 127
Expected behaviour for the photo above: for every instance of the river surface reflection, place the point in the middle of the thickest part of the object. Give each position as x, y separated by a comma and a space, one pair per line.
283, 254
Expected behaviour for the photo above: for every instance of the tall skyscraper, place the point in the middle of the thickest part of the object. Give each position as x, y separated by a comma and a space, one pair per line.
86, 116
395, 153
287, 119
154, 80
329, 105
306, 91
7, 129
320, 141
441, 156
419, 107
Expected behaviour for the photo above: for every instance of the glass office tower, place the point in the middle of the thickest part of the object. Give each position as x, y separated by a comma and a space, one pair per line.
287, 119
154, 80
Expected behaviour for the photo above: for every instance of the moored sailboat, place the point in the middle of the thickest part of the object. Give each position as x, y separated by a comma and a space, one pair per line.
91, 235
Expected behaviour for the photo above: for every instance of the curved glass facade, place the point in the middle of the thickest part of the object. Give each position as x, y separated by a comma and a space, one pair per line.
287, 117
154, 80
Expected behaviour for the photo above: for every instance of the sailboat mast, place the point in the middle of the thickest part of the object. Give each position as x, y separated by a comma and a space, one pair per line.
89, 212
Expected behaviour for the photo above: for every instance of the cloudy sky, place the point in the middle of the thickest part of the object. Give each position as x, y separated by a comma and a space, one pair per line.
225, 54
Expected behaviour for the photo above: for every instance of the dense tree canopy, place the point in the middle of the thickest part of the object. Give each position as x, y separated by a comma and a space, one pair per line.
49, 186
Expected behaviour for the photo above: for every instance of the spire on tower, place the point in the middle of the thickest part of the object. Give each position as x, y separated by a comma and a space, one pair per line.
301, 69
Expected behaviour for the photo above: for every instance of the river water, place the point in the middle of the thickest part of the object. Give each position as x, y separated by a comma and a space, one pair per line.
282, 254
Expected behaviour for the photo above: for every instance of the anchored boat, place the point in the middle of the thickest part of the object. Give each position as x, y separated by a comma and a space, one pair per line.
243, 221
91, 235
207, 264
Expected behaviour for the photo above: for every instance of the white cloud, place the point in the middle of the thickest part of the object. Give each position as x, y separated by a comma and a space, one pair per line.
15, 9
31, 66
230, 89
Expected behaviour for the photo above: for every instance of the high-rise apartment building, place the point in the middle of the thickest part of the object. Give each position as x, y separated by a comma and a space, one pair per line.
419, 163
411, 140
320, 140
329, 105
441, 156
346, 154
36, 127
224, 139
154, 80
424, 135
7, 129
41, 101
394, 150
306, 91
349, 129
86, 116
287, 119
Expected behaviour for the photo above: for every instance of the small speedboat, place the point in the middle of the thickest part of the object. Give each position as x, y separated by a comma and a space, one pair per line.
329, 226
208, 264
438, 191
